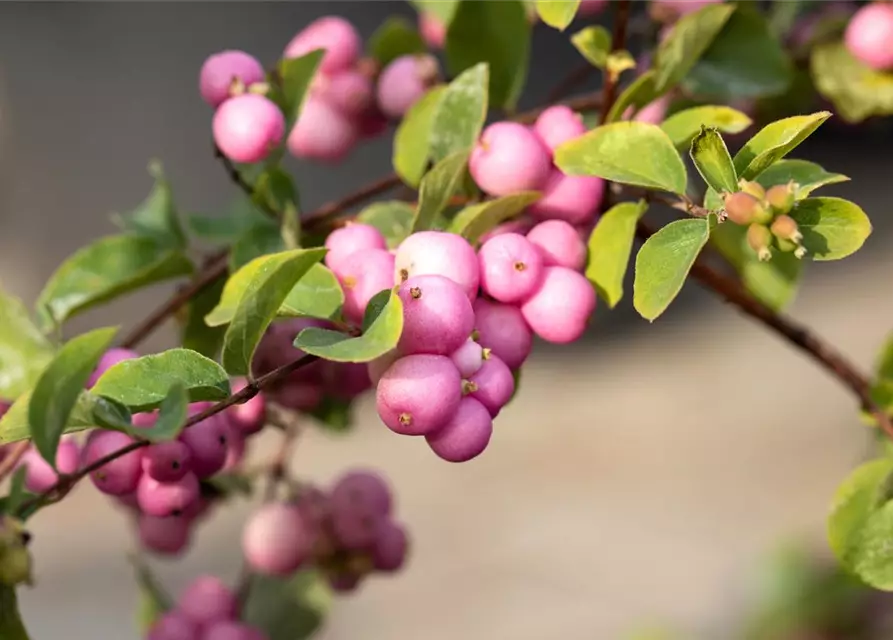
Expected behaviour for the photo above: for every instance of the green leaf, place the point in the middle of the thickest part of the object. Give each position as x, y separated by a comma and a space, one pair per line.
156, 216
261, 287
808, 175
497, 33
262, 238
557, 13
459, 114
442, 9
143, 383
379, 336
196, 335
104, 270
860, 523
227, 484
832, 228
111, 414
610, 245
412, 140
640, 92
394, 38
17, 493
682, 126
295, 75
856, 90
773, 282
154, 599
275, 190
241, 214
11, 625
437, 187
594, 44
618, 62
477, 219
172, 415
633, 153
24, 351
334, 414
690, 38
884, 366
745, 61
713, 162
775, 141
663, 263
58, 387
287, 608
14, 425
392, 217
317, 294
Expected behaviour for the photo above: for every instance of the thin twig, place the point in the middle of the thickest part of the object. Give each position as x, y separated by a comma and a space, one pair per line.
360, 195
618, 42
12, 458
822, 352
239, 180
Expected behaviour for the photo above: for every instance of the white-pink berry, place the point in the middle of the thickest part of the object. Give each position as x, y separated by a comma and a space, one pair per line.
574, 199
276, 540
362, 275
350, 92
221, 70
322, 133
349, 239
559, 244
511, 267
509, 158
557, 125
248, 127
559, 311
869, 35
403, 82
441, 254
437, 316
333, 34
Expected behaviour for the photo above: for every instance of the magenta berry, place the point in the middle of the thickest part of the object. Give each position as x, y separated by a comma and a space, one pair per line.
441, 254
560, 310
221, 70
335, 35
121, 475
299, 395
362, 275
248, 127
229, 630
207, 442
432, 29
353, 237
511, 267
173, 625
502, 329
493, 385
40, 476
276, 541
466, 435
557, 125
362, 490
509, 158
322, 133
418, 394
248, 417
574, 199
437, 316
589, 8
208, 600
403, 82
869, 35
108, 360
167, 461
350, 92
468, 358
165, 536
559, 244
391, 547
355, 529
163, 499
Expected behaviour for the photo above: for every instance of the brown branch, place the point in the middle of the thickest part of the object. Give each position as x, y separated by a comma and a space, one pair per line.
360, 195
236, 177
618, 42
12, 458
834, 362
65, 483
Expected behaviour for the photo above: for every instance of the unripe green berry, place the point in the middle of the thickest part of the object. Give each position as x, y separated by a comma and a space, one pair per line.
785, 246
781, 197
15, 560
760, 239
754, 189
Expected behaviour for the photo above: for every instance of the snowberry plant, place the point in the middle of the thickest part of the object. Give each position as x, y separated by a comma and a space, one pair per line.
503, 227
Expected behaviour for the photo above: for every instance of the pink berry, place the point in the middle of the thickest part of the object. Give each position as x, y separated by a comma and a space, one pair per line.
228, 630
559, 244
418, 394
869, 35
403, 82
509, 158
353, 237
493, 385
372, 123
502, 329
439, 253
163, 499
511, 267
248, 127
362, 275
108, 360
512, 226
207, 442
173, 625
208, 600
574, 199
167, 461
350, 92
165, 536
589, 8
466, 435
468, 358
364, 491
220, 71
437, 316
40, 476
377, 367
314, 506
432, 29
236, 446
322, 133
653, 112
276, 541
560, 310
248, 417
391, 546
120, 476
355, 529
335, 35
556, 125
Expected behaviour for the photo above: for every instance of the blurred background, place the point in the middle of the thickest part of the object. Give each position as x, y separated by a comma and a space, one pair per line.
638, 478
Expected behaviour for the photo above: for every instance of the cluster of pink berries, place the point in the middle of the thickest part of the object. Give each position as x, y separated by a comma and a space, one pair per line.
349, 99
347, 533
207, 610
869, 35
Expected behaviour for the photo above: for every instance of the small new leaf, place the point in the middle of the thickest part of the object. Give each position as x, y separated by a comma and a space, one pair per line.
412, 140
684, 125
713, 162
156, 216
477, 219
594, 44
832, 228
24, 351
59, 386
775, 141
557, 13
459, 113
295, 75
610, 245
437, 187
